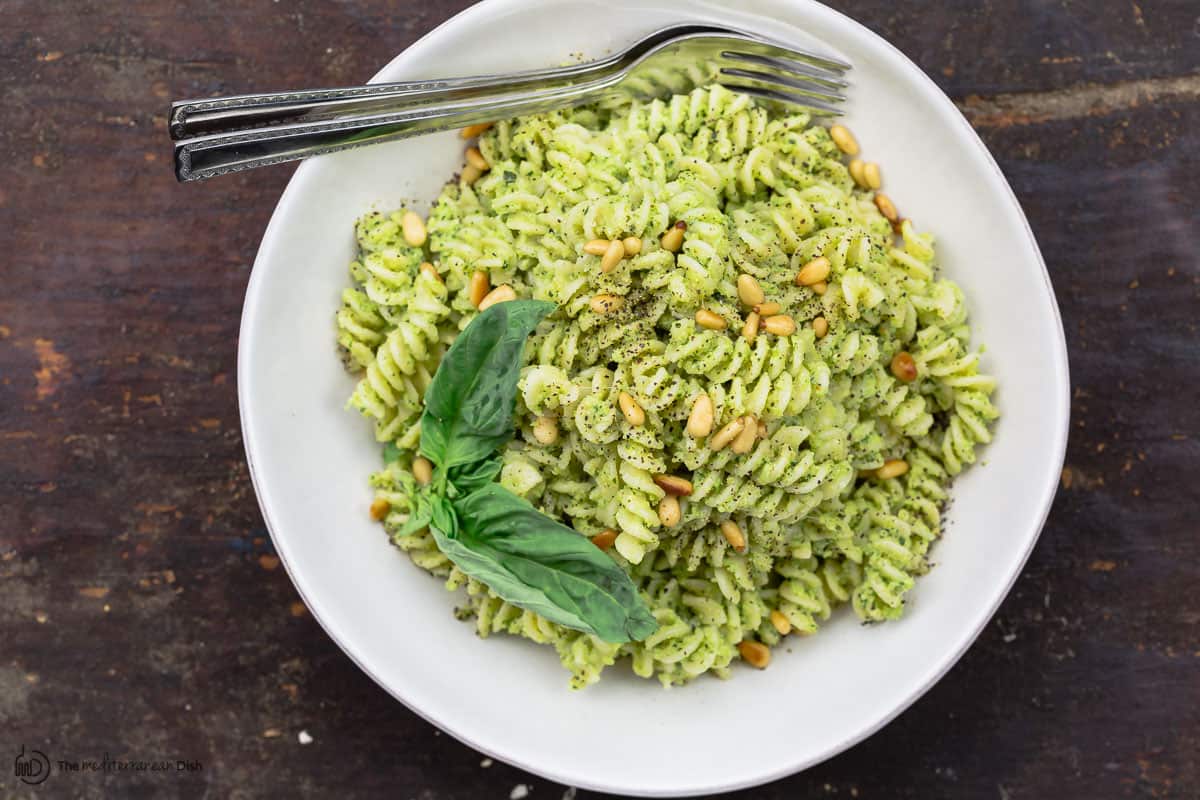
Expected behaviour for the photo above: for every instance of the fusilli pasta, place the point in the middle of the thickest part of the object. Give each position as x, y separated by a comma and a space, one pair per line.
820, 475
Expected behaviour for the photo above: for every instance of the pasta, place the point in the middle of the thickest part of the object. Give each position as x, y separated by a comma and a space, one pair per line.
839, 415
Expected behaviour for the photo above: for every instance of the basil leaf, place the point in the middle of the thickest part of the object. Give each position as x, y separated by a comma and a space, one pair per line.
466, 478
469, 405
444, 521
541, 565
390, 452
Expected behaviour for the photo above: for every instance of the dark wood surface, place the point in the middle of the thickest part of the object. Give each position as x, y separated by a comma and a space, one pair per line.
143, 614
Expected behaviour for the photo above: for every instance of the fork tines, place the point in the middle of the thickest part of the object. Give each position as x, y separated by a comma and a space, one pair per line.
775, 72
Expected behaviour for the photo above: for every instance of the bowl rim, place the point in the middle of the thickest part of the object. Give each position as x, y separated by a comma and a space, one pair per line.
952, 655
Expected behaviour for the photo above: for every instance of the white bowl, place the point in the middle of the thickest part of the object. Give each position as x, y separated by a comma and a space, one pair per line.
310, 458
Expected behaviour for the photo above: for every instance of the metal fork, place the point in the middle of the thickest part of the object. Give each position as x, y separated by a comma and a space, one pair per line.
222, 135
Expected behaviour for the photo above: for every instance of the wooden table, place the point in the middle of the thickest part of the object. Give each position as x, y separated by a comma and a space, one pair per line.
143, 614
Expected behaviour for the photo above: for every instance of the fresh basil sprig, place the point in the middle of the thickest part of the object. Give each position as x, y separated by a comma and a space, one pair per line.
524, 556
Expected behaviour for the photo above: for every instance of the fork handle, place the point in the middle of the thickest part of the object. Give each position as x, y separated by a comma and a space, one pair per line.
211, 155
246, 111
239, 112
199, 117
203, 116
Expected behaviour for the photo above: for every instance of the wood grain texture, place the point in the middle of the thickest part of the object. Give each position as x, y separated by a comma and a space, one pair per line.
143, 614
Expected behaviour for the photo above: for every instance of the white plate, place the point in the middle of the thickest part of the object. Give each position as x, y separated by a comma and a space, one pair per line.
310, 458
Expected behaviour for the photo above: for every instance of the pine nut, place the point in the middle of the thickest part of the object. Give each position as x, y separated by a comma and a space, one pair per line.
780, 325
478, 288
501, 294
762, 429
781, 623
545, 430
700, 421
710, 319
380, 508
476, 159
733, 534
756, 654
750, 329
422, 470
904, 367
612, 256
470, 174
672, 240
749, 292
596, 247
844, 139
668, 511
605, 539
871, 174
632, 244
892, 468
767, 309
727, 434
820, 287
414, 228
744, 442
856, 172
820, 327
814, 271
672, 484
431, 271
886, 207
606, 303
471, 131
630, 408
